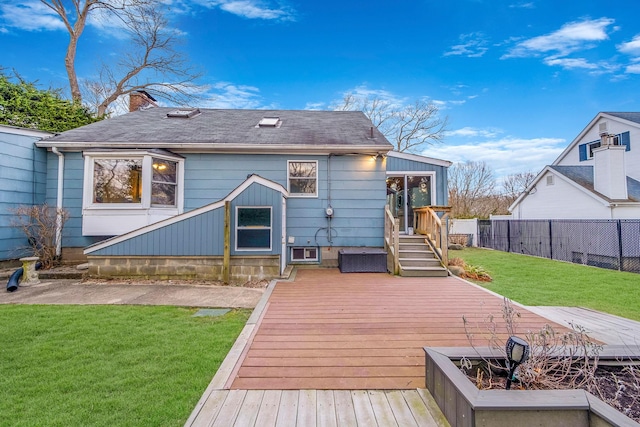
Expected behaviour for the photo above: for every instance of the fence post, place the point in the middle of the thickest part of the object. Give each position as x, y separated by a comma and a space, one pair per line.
550, 240
508, 235
619, 245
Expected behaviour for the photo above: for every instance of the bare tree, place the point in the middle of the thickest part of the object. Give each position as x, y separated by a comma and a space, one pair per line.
42, 225
471, 189
75, 20
151, 63
513, 185
408, 127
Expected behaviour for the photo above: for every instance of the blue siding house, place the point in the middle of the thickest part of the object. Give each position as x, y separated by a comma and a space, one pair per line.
22, 182
164, 192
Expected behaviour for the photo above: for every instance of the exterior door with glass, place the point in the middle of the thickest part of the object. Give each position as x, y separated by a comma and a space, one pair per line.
407, 192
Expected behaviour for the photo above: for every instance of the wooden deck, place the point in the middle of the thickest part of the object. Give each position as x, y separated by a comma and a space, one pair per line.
604, 327
309, 408
361, 331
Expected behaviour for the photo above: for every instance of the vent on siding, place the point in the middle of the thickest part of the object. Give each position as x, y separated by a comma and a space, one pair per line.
602, 128
549, 179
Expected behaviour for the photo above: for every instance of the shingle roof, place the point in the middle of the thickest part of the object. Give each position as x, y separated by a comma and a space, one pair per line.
632, 117
583, 175
228, 128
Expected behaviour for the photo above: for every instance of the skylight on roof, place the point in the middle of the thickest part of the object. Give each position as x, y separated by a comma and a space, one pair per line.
270, 122
185, 114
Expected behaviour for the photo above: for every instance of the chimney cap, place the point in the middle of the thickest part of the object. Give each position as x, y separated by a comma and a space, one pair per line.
146, 94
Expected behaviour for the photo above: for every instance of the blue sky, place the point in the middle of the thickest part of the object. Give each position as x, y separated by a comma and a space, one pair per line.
518, 80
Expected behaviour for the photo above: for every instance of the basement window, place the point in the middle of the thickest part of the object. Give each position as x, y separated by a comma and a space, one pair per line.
304, 254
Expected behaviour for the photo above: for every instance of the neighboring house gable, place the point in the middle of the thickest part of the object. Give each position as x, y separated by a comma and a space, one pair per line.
22, 182
595, 177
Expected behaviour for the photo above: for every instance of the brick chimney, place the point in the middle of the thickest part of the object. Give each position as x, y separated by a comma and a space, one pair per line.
139, 100
610, 177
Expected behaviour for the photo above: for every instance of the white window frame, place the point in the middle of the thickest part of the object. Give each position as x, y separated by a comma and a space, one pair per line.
147, 175
110, 219
270, 228
291, 194
615, 140
305, 258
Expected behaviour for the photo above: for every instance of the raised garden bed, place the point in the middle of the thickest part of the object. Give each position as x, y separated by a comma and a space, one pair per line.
463, 404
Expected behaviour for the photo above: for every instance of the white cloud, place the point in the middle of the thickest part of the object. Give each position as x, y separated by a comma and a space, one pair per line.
315, 106
528, 5
472, 45
230, 95
632, 47
633, 69
470, 132
506, 156
572, 37
570, 63
30, 16
251, 9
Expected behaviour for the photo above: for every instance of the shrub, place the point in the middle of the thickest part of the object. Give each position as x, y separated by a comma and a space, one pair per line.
41, 225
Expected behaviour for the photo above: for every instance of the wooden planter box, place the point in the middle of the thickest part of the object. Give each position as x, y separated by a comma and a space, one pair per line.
464, 405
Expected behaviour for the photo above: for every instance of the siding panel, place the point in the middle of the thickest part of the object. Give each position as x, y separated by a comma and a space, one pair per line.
22, 167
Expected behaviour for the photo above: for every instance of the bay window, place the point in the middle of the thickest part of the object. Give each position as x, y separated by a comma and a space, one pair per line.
125, 190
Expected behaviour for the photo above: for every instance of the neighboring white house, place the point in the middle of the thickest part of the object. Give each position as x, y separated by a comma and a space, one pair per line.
596, 177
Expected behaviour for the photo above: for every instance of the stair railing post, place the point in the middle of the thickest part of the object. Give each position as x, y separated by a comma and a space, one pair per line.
396, 246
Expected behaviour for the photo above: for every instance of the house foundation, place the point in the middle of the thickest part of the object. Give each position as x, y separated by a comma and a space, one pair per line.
242, 268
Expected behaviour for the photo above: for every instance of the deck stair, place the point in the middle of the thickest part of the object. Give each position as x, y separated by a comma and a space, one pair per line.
417, 258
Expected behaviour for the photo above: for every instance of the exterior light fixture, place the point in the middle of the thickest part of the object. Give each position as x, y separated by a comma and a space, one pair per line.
517, 352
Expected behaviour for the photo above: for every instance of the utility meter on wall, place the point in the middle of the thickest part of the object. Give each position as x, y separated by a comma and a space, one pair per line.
329, 211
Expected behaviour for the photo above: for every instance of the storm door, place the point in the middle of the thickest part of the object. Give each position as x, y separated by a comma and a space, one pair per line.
407, 192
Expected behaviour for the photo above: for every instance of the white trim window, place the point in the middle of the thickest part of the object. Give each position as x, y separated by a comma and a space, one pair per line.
302, 178
253, 228
127, 190
304, 254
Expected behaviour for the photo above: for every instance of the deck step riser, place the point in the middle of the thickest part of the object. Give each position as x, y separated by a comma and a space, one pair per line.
420, 263
417, 254
413, 247
424, 273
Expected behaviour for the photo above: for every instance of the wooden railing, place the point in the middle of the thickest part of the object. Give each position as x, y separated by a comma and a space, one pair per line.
427, 222
392, 241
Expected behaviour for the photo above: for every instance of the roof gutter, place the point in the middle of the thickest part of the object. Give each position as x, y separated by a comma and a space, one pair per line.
59, 200
226, 147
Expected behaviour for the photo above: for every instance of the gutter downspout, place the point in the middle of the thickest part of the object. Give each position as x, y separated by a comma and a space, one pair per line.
59, 200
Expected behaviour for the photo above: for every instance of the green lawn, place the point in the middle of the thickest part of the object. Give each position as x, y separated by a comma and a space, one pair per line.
538, 281
108, 365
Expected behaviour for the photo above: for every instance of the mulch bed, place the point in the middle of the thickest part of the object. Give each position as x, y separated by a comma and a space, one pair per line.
618, 386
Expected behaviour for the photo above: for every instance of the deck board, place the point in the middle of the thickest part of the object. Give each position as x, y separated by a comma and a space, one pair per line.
334, 331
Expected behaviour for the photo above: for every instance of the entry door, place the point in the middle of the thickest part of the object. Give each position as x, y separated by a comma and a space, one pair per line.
406, 192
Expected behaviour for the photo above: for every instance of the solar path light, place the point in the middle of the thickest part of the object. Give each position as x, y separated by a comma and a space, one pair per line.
517, 352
